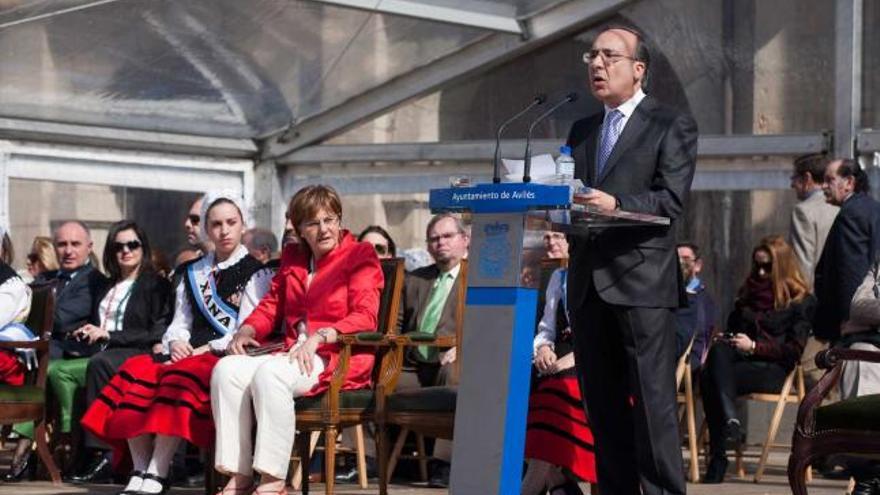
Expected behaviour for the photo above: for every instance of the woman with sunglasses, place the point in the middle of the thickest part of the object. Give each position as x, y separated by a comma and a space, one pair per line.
381, 241
42, 258
134, 307
155, 402
766, 333
328, 284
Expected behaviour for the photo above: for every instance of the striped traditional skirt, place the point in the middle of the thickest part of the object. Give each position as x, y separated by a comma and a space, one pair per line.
146, 397
558, 431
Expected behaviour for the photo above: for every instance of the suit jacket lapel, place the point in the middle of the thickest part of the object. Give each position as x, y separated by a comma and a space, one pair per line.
637, 123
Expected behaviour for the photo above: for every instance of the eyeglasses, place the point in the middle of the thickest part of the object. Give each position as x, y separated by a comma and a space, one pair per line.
608, 56
328, 222
381, 249
194, 219
131, 245
446, 237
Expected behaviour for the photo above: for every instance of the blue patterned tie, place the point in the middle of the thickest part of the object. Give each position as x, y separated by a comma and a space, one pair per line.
610, 133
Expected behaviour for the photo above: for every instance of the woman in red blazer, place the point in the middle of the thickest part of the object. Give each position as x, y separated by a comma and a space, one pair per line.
327, 284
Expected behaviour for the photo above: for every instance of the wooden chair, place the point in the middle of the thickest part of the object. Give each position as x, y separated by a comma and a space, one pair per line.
337, 408
28, 402
429, 411
849, 426
792, 392
684, 386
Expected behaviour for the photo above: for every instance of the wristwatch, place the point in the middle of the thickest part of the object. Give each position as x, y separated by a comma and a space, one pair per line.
325, 334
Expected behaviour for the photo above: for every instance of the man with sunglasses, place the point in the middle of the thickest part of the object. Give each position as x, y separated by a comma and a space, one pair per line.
624, 285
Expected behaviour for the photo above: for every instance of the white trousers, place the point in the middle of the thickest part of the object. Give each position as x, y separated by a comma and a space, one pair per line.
269, 383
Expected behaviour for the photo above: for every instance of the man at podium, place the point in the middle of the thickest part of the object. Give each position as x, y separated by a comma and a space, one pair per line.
624, 283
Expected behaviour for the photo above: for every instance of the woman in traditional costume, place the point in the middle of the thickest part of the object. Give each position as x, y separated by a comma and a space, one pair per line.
156, 401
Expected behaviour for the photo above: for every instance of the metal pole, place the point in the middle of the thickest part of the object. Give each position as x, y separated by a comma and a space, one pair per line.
849, 24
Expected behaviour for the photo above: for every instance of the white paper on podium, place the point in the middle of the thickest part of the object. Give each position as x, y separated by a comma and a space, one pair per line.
543, 168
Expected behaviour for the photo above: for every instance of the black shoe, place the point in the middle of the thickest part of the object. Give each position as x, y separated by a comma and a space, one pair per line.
716, 470
439, 475
100, 472
868, 486
166, 485
351, 475
734, 435
18, 469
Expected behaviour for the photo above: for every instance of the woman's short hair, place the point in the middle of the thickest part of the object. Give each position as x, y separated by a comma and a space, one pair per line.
375, 229
44, 250
308, 201
111, 264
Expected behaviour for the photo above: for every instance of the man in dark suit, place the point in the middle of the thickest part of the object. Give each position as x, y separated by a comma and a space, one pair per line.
849, 248
624, 284
430, 306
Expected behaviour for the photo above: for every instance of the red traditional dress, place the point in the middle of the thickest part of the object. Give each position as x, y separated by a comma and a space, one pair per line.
149, 395
15, 301
557, 429
343, 294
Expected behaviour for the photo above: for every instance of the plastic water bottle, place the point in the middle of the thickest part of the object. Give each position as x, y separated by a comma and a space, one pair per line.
565, 165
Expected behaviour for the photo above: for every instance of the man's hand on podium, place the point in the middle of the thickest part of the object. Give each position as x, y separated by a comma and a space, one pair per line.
596, 198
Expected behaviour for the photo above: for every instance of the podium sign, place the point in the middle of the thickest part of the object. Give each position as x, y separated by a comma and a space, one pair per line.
499, 327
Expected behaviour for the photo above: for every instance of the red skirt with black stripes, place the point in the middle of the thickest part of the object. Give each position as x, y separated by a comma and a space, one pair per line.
558, 431
146, 397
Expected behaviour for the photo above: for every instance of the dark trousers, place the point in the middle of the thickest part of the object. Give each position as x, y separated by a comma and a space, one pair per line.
102, 367
726, 375
626, 367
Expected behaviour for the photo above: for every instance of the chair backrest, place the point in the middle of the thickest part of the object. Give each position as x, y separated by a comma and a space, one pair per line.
683, 362
389, 307
389, 299
42, 313
460, 298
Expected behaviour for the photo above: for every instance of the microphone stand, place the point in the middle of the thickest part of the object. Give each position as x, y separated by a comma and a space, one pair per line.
527, 167
496, 172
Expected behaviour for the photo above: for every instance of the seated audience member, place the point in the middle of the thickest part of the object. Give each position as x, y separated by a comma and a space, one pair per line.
155, 401
161, 266
133, 310
860, 378
381, 241
261, 244
78, 283
766, 332
328, 284
15, 304
41, 259
555, 245
429, 306
698, 318
559, 443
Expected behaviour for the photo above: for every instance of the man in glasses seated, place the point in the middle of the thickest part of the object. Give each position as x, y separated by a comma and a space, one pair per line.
429, 306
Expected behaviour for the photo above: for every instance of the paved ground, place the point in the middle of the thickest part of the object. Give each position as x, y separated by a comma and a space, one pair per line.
774, 483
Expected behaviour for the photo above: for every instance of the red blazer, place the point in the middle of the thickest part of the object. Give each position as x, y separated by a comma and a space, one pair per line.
344, 294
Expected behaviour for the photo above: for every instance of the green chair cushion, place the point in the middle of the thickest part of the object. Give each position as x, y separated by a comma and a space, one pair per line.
25, 393
348, 399
859, 413
421, 336
427, 399
369, 336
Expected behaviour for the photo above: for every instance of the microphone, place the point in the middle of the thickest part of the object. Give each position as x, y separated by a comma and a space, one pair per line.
527, 167
496, 175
